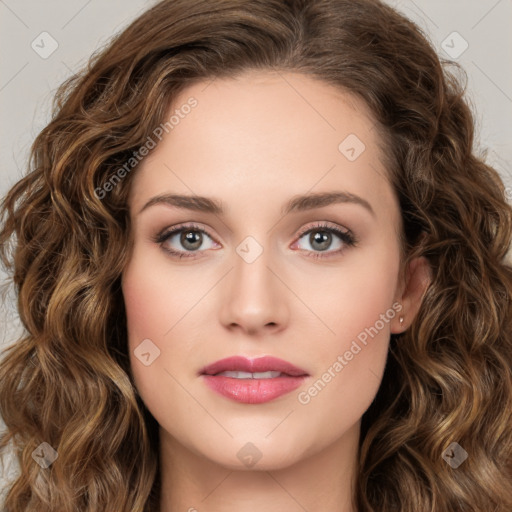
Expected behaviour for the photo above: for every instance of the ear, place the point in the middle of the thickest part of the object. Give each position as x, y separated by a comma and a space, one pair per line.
418, 277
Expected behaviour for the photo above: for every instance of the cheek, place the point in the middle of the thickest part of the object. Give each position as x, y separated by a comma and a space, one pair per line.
152, 309
143, 303
349, 369
154, 301
159, 305
352, 300
357, 306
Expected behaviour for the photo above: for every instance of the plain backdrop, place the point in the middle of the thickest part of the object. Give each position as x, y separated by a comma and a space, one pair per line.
43, 43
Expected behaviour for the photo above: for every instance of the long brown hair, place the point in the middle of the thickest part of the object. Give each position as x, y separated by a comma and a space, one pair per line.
67, 381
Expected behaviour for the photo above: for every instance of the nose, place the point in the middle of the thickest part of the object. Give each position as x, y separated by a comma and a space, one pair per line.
254, 298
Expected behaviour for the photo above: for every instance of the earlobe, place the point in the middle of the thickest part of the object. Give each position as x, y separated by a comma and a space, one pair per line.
419, 277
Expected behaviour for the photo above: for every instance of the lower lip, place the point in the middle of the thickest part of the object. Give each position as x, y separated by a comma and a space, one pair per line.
253, 391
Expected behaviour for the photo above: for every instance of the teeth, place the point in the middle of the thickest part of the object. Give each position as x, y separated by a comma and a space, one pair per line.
248, 375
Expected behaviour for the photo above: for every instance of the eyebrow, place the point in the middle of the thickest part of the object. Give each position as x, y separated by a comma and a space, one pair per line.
296, 204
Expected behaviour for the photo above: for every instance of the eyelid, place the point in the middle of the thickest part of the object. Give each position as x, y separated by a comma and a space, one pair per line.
346, 236
165, 234
324, 224
192, 226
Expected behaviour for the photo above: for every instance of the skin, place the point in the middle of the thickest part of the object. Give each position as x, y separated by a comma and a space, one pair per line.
253, 143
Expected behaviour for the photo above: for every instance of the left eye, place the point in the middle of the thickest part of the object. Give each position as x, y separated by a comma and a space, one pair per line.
321, 238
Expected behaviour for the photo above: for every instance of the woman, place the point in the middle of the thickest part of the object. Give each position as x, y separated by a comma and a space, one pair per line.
259, 265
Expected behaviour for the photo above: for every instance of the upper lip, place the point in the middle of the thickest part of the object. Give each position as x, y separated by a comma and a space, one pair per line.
260, 364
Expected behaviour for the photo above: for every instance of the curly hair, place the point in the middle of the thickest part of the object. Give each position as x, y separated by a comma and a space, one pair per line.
67, 381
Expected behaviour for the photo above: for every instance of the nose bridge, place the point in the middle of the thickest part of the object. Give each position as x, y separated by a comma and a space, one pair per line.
253, 297
251, 265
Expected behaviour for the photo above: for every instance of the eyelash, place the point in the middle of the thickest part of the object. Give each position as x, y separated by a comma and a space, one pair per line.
346, 236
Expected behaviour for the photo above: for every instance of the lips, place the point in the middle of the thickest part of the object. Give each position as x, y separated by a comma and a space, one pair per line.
253, 381
259, 365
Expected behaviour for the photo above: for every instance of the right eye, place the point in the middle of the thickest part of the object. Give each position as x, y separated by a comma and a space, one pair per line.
190, 237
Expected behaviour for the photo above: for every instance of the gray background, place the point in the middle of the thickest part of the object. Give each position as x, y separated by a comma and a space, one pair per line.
78, 27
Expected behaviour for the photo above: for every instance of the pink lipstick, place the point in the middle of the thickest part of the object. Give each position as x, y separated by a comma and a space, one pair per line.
253, 381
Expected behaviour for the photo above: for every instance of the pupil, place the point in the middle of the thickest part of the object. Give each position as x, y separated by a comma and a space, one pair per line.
193, 238
321, 237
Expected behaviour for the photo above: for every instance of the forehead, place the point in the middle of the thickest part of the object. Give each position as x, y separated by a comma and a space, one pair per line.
266, 135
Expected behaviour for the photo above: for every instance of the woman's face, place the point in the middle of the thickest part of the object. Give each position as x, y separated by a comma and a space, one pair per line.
301, 264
